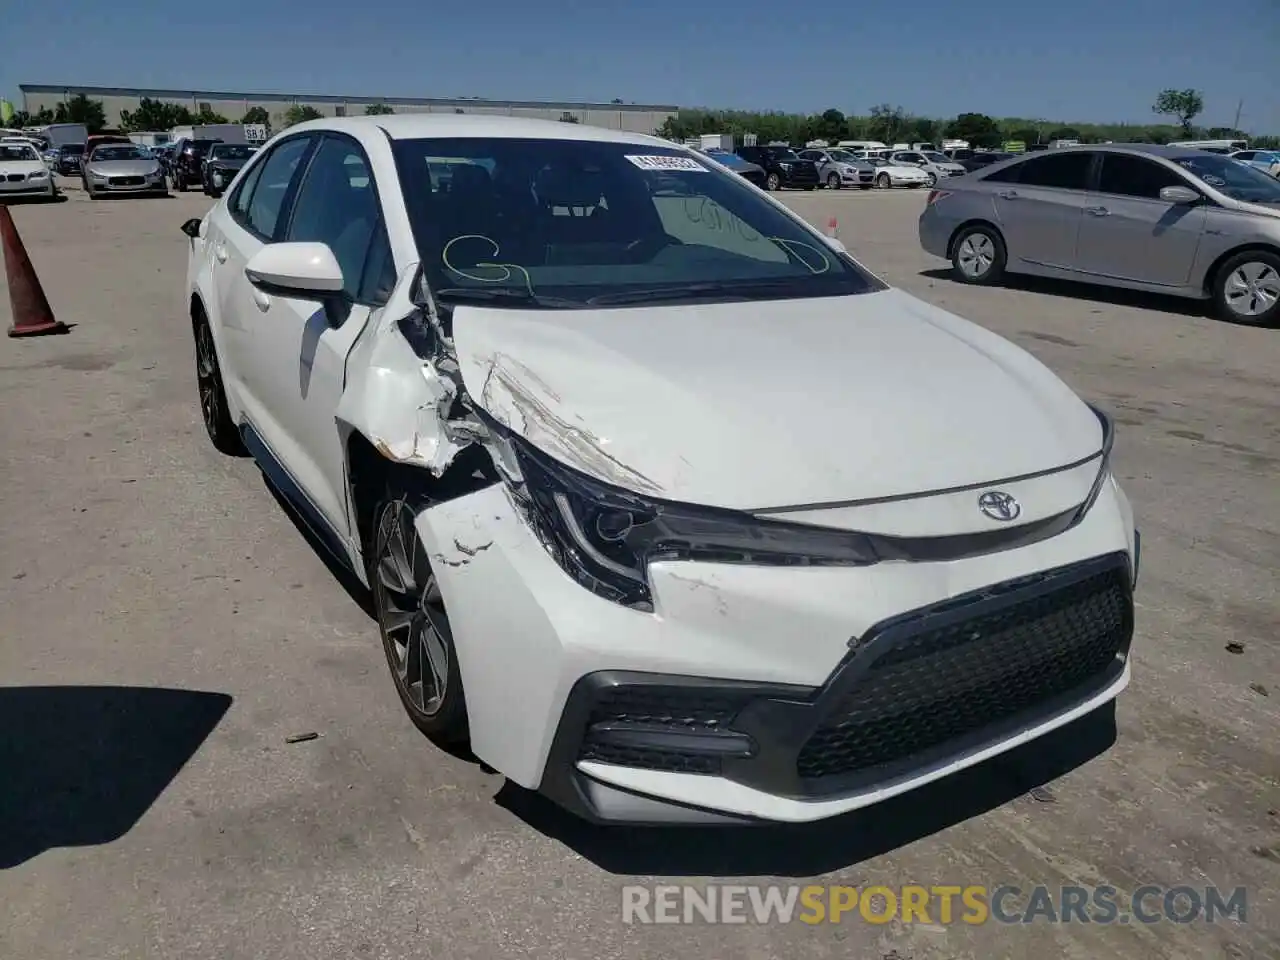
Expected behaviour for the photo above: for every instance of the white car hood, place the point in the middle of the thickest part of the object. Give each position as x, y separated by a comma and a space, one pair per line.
775, 403
898, 170
24, 167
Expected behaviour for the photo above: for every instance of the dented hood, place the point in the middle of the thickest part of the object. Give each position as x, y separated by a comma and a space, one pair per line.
776, 403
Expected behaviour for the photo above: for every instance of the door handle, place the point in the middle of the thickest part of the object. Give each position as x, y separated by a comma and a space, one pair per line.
220, 251
1098, 211
261, 300
1008, 194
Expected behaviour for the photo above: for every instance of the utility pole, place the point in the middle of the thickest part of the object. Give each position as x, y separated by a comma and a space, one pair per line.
1239, 108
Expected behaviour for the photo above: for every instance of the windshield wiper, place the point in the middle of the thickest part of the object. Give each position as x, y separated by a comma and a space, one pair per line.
735, 290
511, 294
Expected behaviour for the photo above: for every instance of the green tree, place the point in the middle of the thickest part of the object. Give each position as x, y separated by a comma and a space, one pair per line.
256, 115
978, 128
1025, 134
887, 123
209, 116
155, 115
1183, 105
300, 113
924, 130
80, 109
377, 110
830, 125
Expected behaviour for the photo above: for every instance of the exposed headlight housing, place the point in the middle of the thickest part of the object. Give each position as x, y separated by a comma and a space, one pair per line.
605, 538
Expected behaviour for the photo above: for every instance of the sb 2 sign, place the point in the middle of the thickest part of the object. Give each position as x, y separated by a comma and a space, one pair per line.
256, 132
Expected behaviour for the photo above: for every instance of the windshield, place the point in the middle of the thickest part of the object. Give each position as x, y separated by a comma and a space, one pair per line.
934, 157
844, 156
230, 151
1238, 181
117, 152
572, 223
781, 153
18, 151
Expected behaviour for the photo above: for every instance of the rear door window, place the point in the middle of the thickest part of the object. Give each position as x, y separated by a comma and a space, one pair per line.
1063, 171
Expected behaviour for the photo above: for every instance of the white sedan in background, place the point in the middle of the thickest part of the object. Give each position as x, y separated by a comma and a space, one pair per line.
546, 412
23, 172
889, 173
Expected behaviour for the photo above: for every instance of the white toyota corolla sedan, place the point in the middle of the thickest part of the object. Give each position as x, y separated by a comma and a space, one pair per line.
669, 508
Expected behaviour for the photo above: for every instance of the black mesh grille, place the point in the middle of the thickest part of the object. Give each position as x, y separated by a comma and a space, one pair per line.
663, 707
126, 181
944, 684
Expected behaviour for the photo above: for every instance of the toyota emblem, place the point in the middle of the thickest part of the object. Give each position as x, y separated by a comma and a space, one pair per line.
999, 505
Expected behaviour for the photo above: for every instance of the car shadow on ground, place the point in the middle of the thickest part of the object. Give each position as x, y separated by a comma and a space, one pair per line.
1088, 292
33, 201
82, 764
806, 850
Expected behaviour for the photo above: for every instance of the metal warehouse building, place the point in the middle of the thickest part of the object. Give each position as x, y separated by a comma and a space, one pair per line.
632, 117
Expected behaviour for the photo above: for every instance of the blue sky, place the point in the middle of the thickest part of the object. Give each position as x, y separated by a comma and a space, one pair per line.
1100, 60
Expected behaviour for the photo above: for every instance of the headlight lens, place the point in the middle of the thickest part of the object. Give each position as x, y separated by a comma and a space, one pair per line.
605, 537
40, 175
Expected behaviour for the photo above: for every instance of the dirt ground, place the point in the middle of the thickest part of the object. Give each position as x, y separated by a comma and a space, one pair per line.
166, 631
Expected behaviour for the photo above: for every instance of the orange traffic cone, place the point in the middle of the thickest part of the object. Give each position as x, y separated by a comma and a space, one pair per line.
31, 313
833, 228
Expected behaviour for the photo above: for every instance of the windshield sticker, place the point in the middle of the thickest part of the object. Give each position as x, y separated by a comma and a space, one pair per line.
664, 163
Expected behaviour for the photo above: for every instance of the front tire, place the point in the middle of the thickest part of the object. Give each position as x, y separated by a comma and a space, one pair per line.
978, 255
772, 182
413, 622
1246, 289
222, 430
833, 181
884, 182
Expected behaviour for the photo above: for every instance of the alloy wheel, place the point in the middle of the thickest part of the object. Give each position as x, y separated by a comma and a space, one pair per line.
976, 255
1252, 289
411, 615
207, 378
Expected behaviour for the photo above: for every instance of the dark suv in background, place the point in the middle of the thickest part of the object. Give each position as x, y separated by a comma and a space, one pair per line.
782, 167
68, 159
186, 165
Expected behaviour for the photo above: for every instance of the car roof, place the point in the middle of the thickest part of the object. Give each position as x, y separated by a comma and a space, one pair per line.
415, 126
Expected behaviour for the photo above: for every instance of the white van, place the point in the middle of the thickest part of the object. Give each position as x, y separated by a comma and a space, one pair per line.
863, 145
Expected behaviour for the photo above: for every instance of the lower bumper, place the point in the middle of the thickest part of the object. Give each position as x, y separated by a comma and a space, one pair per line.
537, 650
935, 233
920, 697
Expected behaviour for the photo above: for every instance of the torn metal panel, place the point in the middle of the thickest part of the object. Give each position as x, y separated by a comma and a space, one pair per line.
518, 397
403, 388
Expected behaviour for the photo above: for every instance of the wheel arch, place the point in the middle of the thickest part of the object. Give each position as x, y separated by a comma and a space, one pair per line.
974, 222
1215, 268
371, 473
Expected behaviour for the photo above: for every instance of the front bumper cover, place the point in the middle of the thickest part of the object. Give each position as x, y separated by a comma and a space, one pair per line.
991, 667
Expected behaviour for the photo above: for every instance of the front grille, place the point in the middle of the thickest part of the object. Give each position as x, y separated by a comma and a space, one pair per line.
126, 181
942, 685
16, 177
656, 708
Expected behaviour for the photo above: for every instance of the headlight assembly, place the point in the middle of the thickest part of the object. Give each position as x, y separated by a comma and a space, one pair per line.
605, 538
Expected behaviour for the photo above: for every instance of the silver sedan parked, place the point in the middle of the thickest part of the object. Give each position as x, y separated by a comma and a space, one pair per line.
122, 168
1161, 219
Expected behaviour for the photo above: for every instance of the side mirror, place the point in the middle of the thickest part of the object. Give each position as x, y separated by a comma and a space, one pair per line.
193, 228
1181, 195
307, 271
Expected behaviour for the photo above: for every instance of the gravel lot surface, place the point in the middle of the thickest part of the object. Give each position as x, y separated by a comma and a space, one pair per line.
167, 630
